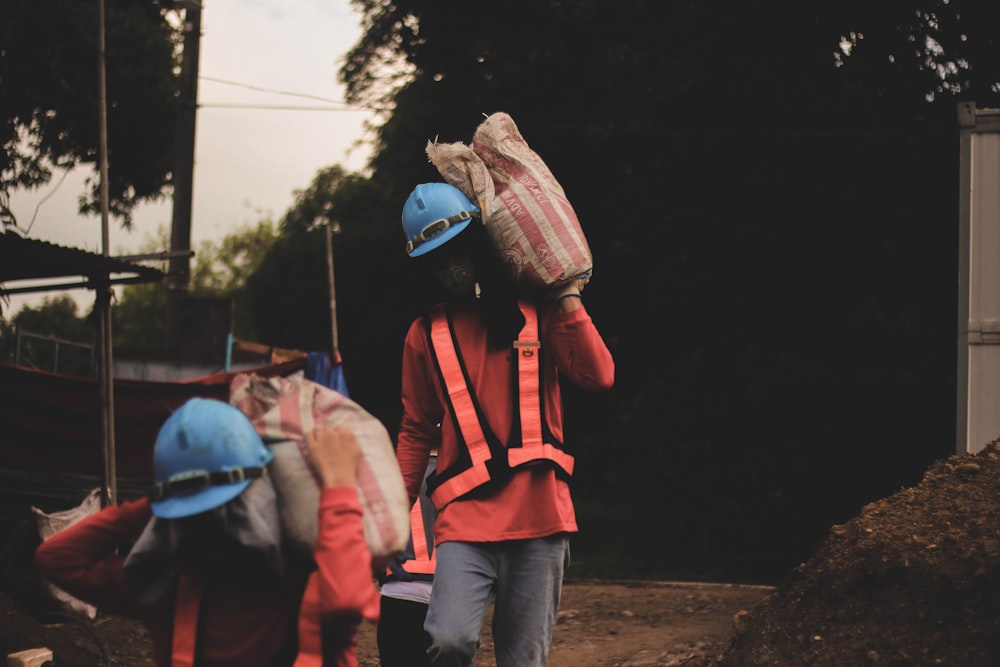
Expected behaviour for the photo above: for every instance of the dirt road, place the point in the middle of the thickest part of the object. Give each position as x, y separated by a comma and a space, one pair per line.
600, 624
630, 624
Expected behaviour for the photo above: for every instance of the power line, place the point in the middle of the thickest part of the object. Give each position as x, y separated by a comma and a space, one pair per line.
272, 91
341, 105
277, 107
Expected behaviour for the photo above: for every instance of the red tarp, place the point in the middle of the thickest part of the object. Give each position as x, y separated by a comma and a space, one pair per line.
51, 423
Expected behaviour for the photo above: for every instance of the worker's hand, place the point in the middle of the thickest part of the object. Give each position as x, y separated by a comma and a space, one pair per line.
336, 454
574, 286
568, 295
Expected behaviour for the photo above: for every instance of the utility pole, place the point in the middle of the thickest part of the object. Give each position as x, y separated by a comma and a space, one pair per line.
330, 227
334, 344
103, 289
179, 274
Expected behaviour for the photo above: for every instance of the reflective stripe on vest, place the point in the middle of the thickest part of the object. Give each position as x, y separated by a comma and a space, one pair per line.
532, 445
424, 557
309, 627
186, 606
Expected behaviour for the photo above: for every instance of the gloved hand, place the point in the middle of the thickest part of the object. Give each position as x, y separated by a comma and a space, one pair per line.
574, 286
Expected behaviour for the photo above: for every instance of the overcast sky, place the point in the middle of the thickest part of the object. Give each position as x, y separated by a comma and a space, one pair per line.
248, 161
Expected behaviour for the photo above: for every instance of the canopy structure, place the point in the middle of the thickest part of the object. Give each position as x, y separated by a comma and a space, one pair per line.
24, 259
32, 260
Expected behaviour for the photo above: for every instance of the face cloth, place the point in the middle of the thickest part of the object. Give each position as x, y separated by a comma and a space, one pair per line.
249, 521
460, 280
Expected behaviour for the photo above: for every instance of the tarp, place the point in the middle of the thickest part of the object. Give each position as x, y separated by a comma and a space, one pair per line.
51, 423
320, 370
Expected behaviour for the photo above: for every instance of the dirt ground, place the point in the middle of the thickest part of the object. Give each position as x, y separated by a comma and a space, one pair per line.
912, 581
600, 623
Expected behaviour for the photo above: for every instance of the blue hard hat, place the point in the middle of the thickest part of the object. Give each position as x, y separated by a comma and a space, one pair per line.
433, 214
206, 454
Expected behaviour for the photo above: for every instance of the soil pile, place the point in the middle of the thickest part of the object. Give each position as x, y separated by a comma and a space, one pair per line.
912, 580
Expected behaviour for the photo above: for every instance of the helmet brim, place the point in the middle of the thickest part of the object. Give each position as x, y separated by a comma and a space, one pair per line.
442, 238
204, 500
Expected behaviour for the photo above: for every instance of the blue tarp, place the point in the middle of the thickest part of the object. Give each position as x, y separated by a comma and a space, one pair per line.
321, 371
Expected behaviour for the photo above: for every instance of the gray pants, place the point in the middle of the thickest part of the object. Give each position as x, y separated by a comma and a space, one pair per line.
523, 577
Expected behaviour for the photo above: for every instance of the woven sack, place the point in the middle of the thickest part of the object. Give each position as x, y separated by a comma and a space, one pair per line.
283, 410
530, 222
51, 523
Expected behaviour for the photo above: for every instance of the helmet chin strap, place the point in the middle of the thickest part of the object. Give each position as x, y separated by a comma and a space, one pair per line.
188, 483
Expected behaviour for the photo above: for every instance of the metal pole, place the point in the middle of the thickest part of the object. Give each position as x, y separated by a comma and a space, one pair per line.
103, 291
229, 351
179, 274
334, 346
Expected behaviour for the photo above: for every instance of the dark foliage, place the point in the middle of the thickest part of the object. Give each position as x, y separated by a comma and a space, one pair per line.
49, 99
51, 337
769, 190
770, 195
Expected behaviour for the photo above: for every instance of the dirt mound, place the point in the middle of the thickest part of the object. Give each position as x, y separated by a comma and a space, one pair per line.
912, 580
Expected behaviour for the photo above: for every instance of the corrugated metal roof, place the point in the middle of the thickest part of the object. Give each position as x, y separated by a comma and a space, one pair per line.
31, 259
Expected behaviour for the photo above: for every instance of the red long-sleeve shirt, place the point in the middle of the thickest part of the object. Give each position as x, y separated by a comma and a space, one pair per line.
535, 502
248, 616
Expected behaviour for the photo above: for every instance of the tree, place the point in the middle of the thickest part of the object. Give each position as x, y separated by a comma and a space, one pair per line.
53, 337
48, 98
221, 268
776, 181
289, 297
940, 48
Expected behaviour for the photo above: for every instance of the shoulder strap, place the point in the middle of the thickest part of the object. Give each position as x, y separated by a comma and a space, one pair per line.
464, 409
186, 608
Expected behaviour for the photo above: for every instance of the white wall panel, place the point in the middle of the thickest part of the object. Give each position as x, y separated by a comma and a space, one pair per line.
978, 415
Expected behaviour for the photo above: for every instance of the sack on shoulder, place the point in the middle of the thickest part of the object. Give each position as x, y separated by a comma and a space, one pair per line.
530, 222
283, 410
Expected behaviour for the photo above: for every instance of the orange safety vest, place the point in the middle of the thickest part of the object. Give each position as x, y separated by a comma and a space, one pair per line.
483, 458
419, 559
187, 605
319, 647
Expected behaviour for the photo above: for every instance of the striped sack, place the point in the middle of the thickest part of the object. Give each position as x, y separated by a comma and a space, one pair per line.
531, 224
283, 410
